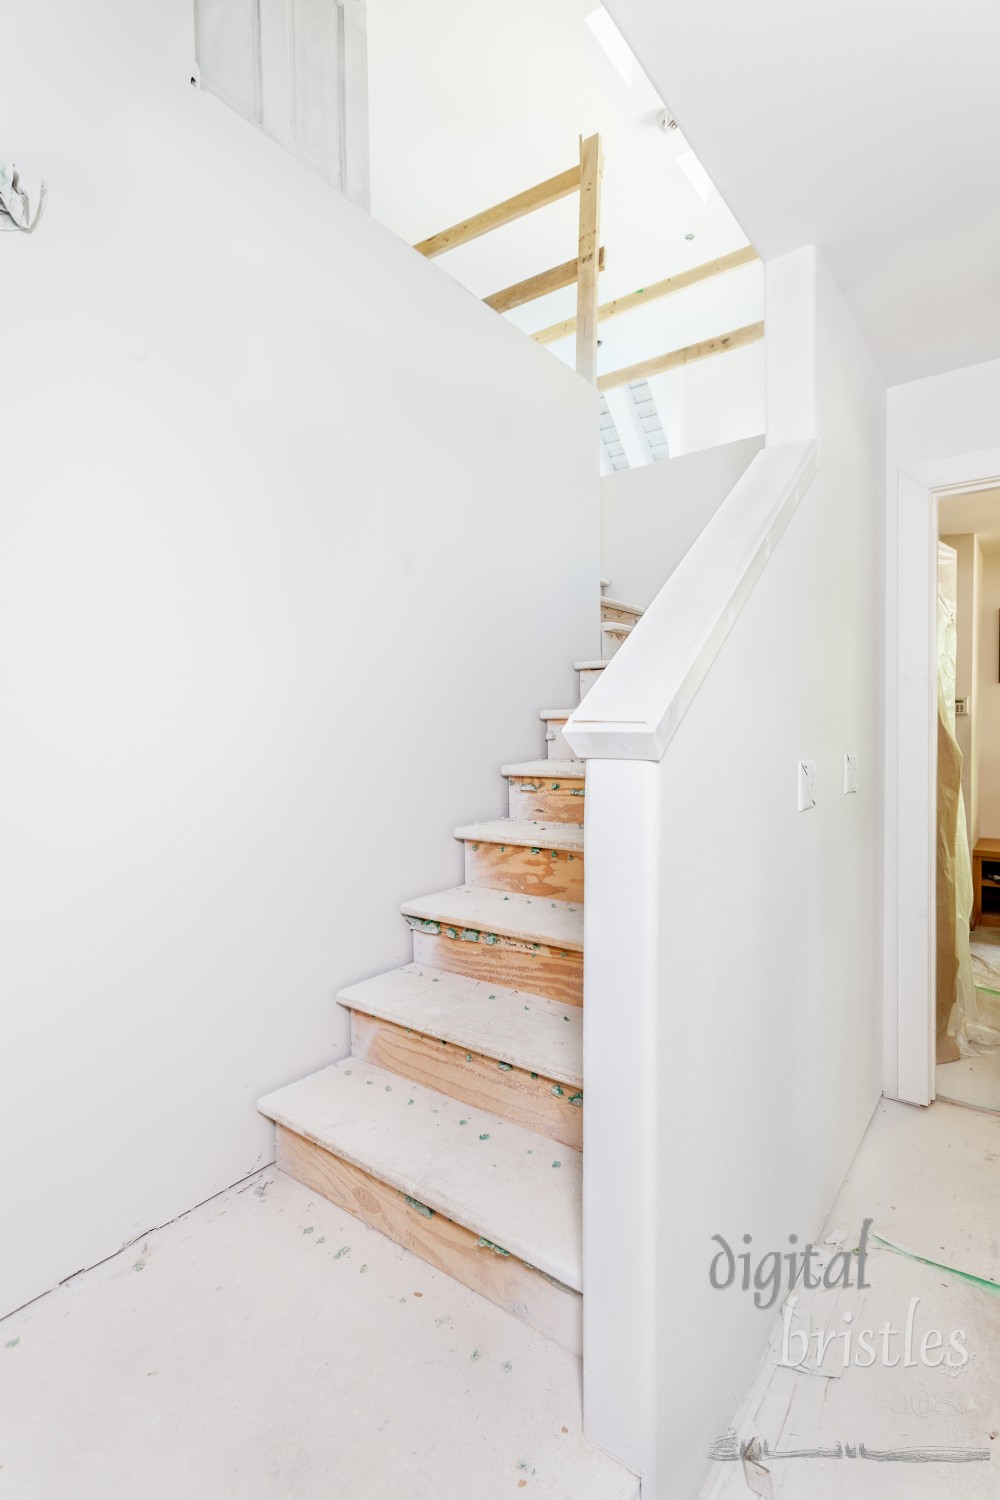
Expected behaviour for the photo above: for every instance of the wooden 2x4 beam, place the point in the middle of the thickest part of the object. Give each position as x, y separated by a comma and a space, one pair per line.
619, 305
538, 286
738, 339
539, 196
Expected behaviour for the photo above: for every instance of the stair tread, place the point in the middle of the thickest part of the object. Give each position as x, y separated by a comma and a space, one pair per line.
559, 924
567, 770
633, 609
597, 665
514, 1026
555, 713
524, 833
495, 1178
616, 627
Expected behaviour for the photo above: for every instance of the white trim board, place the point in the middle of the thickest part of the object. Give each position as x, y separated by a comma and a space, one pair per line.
911, 767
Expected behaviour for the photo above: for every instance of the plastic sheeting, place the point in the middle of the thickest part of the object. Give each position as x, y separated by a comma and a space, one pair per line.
21, 198
960, 1027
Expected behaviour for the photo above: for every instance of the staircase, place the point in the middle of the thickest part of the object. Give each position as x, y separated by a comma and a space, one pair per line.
456, 1125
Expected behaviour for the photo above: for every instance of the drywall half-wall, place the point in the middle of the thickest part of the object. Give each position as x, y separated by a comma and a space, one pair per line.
769, 918
651, 515
263, 640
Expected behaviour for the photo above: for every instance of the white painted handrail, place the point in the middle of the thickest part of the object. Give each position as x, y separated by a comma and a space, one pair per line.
644, 692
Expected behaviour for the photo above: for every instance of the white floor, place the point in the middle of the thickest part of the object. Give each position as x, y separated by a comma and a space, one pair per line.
269, 1347
930, 1179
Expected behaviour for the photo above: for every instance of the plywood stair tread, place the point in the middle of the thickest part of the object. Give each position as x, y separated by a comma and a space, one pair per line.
477, 909
528, 1031
591, 666
548, 770
525, 834
556, 713
515, 1189
633, 609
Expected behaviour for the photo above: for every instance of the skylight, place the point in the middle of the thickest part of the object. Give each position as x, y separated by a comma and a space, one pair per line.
614, 44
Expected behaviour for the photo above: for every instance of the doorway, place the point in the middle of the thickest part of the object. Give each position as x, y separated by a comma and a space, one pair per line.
910, 1063
967, 913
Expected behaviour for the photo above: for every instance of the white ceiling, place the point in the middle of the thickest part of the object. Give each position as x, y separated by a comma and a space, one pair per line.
866, 127
470, 104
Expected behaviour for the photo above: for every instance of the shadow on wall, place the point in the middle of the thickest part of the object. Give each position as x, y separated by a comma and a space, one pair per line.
651, 516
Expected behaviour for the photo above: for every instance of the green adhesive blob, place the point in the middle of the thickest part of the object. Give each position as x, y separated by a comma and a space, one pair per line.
557, 1163
556, 1091
576, 1098
344, 1250
489, 1245
505, 1067
485, 1137
421, 1208
310, 1230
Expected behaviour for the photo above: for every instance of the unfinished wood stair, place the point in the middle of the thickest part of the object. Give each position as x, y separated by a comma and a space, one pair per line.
456, 1125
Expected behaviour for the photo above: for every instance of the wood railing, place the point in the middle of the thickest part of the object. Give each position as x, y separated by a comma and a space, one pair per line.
584, 178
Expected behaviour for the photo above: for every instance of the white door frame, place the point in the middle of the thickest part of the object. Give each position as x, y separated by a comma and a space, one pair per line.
911, 842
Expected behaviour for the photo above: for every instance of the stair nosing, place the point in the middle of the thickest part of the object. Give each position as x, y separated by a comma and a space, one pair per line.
524, 833
547, 770
499, 908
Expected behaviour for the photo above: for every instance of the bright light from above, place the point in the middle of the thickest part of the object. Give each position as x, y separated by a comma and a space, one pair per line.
696, 175
614, 44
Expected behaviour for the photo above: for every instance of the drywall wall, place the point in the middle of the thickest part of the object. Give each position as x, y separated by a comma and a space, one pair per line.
752, 931
967, 669
988, 715
651, 515
770, 922
264, 638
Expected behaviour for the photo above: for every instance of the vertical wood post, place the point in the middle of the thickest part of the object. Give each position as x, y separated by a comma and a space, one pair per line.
591, 172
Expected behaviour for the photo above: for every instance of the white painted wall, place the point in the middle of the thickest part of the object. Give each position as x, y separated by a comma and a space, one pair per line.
651, 515
752, 1058
264, 637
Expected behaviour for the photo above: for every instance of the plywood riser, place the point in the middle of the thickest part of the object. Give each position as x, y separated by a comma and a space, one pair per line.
588, 677
557, 748
520, 966
537, 1103
552, 1309
555, 873
546, 801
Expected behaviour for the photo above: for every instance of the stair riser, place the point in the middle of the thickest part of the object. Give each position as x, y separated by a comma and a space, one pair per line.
556, 748
543, 1304
556, 873
611, 643
539, 1104
520, 966
614, 614
541, 801
588, 677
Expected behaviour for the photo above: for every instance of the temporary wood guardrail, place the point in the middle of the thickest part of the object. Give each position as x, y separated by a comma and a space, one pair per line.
672, 360
584, 178
646, 294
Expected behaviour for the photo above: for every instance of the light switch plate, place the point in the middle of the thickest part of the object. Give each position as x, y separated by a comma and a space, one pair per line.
807, 785
850, 772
